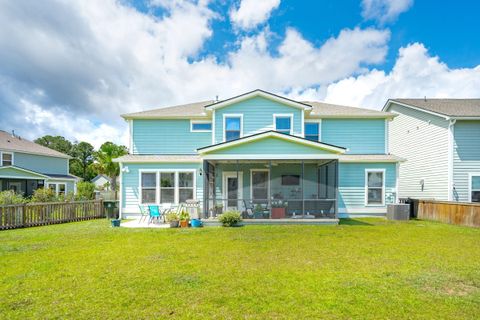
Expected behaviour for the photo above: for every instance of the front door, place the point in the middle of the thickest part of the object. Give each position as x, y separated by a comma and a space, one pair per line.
232, 190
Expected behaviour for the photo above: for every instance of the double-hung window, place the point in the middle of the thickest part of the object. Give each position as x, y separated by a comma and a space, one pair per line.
474, 188
7, 159
312, 131
167, 187
375, 187
283, 123
233, 127
149, 187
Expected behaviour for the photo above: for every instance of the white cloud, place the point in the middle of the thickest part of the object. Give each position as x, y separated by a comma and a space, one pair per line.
384, 10
251, 13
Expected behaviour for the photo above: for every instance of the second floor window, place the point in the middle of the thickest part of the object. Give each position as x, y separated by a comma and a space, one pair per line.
233, 125
7, 159
475, 188
283, 123
312, 131
200, 126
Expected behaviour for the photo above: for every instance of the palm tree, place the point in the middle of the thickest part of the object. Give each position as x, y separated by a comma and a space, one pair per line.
105, 165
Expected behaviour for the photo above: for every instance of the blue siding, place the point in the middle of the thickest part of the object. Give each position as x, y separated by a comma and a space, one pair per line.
257, 116
42, 164
352, 184
360, 136
466, 156
167, 137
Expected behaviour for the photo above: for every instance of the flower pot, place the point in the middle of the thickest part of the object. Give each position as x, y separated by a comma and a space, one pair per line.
115, 222
174, 224
184, 224
278, 213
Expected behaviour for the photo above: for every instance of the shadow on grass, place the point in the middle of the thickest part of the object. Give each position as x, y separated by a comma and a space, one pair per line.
353, 222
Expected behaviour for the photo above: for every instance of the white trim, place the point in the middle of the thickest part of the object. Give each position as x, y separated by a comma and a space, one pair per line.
451, 137
353, 160
192, 122
271, 157
232, 115
283, 115
319, 121
157, 186
397, 181
213, 127
259, 93
470, 180
225, 176
387, 146
273, 134
367, 171
57, 186
251, 181
27, 171
159, 160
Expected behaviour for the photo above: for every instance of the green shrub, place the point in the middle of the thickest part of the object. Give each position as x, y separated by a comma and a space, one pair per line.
10, 197
70, 196
44, 195
230, 218
171, 216
85, 191
184, 215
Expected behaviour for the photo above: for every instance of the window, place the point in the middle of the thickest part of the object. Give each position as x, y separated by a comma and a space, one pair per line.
283, 123
475, 188
149, 187
7, 159
260, 182
233, 127
312, 131
375, 187
185, 186
200, 126
167, 187
58, 188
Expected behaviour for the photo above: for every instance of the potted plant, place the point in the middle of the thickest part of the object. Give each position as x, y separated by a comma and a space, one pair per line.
184, 217
173, 219
279, 209
218, 209
230, 219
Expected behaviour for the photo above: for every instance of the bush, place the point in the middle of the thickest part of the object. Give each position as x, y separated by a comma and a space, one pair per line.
70, 196
184, 216
44, 195
10, 197
85, 191
171, 216
230, 218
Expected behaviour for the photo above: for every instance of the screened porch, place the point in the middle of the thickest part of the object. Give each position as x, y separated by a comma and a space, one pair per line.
271, 189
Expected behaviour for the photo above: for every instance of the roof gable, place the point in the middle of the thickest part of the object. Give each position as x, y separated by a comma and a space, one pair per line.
445, 108
17, 172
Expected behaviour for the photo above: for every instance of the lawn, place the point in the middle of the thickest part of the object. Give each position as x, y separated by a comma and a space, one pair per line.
368, 269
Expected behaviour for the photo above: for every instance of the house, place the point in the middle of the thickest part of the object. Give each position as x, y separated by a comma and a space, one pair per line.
262, 154
440, 138
102, 182
26, 166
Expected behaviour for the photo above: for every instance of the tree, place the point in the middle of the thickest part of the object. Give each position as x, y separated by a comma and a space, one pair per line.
83, 153
105, 165
58, 143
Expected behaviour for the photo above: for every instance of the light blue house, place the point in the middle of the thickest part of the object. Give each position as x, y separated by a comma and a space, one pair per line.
440, 139
26, 166
264, 155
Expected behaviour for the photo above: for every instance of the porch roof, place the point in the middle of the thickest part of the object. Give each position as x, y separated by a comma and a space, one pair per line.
14, 172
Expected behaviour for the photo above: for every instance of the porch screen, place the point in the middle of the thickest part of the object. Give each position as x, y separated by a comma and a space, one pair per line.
185, 186
260, 185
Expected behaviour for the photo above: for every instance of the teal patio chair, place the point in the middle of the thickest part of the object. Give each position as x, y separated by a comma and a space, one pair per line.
154, 213
144, 212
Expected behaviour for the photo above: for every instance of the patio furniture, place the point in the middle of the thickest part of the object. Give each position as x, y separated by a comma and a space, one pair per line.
144, 212
165, 208
154, 213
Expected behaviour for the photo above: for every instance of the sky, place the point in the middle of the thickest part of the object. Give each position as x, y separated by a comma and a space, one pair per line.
71, 68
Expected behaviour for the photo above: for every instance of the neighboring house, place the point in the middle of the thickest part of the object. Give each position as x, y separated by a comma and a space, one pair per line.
262, 154
101, 182
440, 139
26, 166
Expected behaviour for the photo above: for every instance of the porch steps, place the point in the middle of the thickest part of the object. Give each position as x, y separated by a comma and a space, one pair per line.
214, 222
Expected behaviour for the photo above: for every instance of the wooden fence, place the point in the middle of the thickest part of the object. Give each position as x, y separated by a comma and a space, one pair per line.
465, 214
39, 214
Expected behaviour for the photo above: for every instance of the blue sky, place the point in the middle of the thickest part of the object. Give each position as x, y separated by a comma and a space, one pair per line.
72, 67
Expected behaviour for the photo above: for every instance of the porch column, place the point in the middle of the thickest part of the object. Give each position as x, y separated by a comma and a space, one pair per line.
269, 200
206, 190
303, 192
238, 187
336, 189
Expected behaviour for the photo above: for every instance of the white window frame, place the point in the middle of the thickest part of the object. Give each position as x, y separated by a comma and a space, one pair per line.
1, 158
283, 115
470, 184
192, 122
232, 115
367, 171
157, 188
251, 181
319, 121
57, 187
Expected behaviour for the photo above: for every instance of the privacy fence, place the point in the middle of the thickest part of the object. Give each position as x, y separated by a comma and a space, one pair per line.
466, 214
39, 214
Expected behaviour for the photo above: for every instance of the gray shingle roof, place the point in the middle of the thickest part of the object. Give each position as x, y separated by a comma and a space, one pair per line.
447, 107
322, 109
15, 143
196, 109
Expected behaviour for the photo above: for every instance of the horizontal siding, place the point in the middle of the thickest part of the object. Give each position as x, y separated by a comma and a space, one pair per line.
422, 139
360, 136
352, 185
167, 137
257, 116
42, 164
130, 183
466, 156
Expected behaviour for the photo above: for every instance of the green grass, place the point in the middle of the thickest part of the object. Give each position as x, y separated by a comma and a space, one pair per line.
368, 269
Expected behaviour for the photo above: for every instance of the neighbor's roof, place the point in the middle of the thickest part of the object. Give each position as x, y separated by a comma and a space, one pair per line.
196, 109
446, 107
158, 158
326, 110
16, 143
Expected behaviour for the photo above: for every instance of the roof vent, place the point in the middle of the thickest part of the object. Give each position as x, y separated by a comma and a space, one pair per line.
13, 133
425, 98
216, 98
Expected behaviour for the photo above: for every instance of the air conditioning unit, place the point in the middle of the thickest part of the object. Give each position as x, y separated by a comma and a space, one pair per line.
399, 211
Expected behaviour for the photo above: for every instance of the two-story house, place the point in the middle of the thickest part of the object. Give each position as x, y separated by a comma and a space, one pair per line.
440, 139
26, 166
262, 154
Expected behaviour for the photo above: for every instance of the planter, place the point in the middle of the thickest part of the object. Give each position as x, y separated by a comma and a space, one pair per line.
174, 224
115, 222
184, 224
196, 223
278, 213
